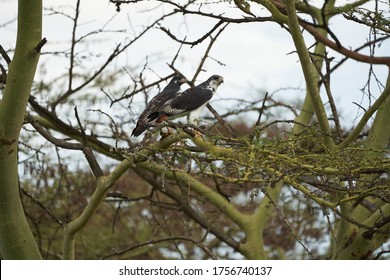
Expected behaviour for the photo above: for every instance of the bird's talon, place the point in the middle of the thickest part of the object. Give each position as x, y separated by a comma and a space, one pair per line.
198, 134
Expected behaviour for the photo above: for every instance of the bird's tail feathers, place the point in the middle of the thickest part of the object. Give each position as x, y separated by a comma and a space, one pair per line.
137, 131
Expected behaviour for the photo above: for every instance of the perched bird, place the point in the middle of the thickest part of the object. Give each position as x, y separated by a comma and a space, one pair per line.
168, 93
190, 102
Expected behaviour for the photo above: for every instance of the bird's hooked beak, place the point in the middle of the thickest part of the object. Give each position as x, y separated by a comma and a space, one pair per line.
220, 80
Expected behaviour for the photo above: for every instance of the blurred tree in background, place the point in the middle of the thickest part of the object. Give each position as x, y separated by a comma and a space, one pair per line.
75, 185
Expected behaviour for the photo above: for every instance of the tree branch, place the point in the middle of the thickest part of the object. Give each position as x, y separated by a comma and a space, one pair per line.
340, 49
309, 73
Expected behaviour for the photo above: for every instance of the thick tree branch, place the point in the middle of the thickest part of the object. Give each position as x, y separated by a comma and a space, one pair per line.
309, 73
16, 238
189, 210
103, 184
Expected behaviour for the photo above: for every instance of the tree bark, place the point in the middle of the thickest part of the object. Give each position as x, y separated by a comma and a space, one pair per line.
16, 238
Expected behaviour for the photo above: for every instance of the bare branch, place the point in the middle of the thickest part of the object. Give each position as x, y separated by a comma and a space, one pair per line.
5, 55
163, 240
42, 206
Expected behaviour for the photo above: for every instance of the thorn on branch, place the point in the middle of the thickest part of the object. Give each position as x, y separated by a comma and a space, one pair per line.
39, 46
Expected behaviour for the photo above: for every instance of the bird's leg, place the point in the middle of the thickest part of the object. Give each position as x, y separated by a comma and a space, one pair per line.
194, 121
198, 133
165, 134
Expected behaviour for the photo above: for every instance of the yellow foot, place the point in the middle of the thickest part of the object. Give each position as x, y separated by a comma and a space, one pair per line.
198, 133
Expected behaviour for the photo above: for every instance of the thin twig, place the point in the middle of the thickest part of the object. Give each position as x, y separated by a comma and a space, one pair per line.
43, 207
5, 55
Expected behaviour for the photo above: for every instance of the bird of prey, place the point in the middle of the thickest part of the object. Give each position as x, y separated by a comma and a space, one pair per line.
190, 102
168, 93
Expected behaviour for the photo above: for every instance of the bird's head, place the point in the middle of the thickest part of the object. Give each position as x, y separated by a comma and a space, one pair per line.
179, 79
215, 80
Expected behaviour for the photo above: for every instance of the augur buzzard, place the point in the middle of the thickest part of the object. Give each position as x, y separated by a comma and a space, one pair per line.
170, 91
189, 102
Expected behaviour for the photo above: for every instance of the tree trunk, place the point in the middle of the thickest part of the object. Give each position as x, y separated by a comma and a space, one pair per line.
16, 238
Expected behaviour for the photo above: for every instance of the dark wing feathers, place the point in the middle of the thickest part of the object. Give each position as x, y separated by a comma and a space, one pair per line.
156, 102
152, 116
192, 99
